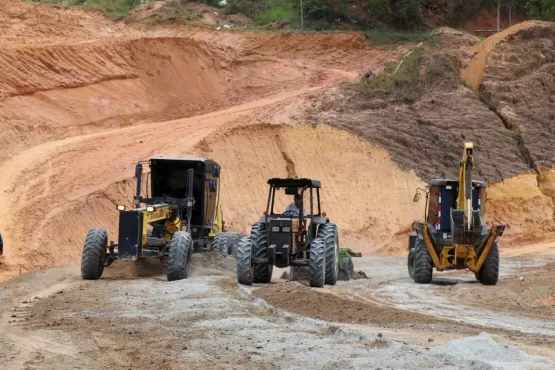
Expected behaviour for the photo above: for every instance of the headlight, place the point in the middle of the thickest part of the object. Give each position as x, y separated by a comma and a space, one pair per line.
150, 209
121, 208
286, 229
275, 229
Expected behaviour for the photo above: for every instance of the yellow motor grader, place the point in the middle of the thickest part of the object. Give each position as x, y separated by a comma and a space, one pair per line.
452, 237
181, 215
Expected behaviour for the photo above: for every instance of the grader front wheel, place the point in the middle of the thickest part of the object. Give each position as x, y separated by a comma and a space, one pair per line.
94, 254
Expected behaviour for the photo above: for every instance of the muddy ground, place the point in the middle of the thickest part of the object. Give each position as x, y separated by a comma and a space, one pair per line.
134, 319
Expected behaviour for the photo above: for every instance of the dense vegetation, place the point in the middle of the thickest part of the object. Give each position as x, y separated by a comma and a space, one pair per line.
323, 14
400, 14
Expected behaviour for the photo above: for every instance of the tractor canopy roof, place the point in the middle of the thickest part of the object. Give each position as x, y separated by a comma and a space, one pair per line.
455, 182
294, 183
190, 160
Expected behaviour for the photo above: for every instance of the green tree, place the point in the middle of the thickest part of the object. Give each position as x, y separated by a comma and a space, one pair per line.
408, 13
541, 9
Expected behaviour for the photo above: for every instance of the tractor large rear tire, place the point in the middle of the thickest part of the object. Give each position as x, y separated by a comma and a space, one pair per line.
244, 261
94, 254
179, 256
262, 271
423, 266
328, 232
317, 263
489, 273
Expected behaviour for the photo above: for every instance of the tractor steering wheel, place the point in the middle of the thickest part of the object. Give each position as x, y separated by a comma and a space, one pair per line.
290, 213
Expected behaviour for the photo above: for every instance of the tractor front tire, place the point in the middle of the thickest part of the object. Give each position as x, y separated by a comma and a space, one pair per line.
232, 242
489, 273
328, 232
262, 271
94, 254
219, 244
411, 262
179, 256
244, 261
423, 266
317, 263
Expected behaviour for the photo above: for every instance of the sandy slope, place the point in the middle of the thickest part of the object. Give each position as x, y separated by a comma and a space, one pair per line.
364, 191
83, 98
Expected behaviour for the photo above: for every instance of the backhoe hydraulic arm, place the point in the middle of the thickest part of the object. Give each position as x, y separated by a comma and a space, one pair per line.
464, 200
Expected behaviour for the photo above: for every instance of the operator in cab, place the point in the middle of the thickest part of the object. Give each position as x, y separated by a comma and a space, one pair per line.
295, 206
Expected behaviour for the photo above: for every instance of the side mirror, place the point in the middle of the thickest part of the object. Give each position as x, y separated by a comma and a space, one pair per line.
416, 197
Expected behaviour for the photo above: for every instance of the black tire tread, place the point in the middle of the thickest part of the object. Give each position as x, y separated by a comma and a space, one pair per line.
244, 261
262, 271
219, 244
94, 252
423, 266
489, 273
410, 262
328, 232
178, 257
317, 263
232, 242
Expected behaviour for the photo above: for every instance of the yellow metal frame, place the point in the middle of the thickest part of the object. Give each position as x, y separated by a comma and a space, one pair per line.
160, 213
218, 224
461, 252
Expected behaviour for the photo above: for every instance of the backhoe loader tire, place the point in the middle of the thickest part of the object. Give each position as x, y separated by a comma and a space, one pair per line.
262, 272
410, 262
489, 273
423, 265
328, 232
317, 263
94, 254
220, 243
244, 261
179, 256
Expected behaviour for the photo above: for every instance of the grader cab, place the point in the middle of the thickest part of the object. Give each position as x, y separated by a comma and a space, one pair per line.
453, 235
180, 214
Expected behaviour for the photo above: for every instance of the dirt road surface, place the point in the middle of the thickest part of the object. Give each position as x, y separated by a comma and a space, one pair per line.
83, 98
134, 319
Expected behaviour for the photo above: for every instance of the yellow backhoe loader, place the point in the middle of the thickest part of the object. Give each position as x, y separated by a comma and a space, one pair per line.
453, 237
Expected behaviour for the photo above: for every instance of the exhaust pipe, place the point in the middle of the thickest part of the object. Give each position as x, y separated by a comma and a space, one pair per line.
138, 175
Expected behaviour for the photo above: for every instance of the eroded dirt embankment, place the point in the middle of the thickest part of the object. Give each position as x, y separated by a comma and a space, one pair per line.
509, 120
74, 86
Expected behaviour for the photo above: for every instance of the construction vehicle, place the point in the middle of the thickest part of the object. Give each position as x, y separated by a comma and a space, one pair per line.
291, 239
181, 215
346, 266
453, 236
